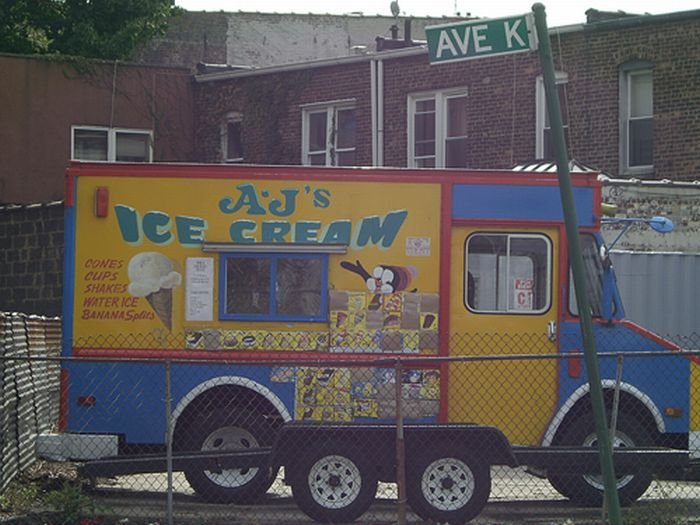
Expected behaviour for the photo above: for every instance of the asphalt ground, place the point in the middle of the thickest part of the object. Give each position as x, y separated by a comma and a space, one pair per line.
516, 498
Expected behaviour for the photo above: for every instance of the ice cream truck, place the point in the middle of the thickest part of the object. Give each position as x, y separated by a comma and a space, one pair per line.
242, 277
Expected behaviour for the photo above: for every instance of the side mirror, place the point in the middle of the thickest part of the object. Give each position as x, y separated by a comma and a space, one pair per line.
660, 224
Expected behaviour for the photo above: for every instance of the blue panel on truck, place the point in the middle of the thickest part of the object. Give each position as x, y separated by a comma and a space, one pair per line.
533, 203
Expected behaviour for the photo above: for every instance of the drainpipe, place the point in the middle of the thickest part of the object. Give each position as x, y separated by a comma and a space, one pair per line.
373, 107
377, 110
380, 112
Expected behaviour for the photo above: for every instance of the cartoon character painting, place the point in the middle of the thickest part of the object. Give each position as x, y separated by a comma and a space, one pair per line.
384, 278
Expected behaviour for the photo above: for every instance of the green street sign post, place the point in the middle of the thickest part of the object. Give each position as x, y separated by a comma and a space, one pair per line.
500, 36
478, 38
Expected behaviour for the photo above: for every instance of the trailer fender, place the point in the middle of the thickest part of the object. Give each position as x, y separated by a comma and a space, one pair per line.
242, 382
606, 384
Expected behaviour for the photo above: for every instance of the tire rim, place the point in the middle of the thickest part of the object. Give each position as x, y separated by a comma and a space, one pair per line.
448, 484
621, 440
334, 482
230, 438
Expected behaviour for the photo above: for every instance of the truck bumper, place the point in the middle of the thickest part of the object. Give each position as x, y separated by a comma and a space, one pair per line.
62, 447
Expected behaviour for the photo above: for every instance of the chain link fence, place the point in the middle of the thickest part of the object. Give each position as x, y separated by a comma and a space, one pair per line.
278, 438
29, 388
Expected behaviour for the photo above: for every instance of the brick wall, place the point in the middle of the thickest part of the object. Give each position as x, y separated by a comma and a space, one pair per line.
501, 98
31, 258
271, 109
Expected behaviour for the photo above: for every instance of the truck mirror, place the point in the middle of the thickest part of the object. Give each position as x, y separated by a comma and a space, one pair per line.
660, 224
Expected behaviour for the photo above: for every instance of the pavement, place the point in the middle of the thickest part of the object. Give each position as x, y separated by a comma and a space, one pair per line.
516, 498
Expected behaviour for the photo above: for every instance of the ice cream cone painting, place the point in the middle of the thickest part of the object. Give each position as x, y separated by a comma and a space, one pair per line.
152, 275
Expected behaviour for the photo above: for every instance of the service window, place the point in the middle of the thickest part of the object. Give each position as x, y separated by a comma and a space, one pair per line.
508, 273
274, 287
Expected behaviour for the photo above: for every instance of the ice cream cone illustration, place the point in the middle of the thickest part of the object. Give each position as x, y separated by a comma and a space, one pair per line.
162, 304
152, 276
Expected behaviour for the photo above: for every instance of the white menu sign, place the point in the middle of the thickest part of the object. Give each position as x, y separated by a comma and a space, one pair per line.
199, 299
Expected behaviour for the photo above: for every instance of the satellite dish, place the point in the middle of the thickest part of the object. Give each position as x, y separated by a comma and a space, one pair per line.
395, 10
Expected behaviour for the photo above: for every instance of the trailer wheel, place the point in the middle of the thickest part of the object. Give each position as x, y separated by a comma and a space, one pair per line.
333, 484
446, 485
588, 489
230, 431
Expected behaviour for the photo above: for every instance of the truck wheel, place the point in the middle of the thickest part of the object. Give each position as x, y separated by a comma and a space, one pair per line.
230, 431
588, 489
334, 484
446, 485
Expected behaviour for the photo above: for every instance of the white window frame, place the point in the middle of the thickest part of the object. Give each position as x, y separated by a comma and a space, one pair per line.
627, 71
111, 140
560, 78
504, 292
441, 98
331, 108
232, 116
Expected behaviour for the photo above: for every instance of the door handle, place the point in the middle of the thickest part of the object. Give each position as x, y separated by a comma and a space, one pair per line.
552, 330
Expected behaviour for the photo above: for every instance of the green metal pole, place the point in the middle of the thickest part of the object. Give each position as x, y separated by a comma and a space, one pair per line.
576, 260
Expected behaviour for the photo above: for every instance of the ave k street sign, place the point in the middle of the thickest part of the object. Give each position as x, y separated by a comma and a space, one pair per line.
478, 38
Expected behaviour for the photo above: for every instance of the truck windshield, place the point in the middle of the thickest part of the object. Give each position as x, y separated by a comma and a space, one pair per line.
593, 268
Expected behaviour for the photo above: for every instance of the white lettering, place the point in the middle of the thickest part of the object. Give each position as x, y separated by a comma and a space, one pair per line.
445, 44
462, 43
512, 32
478, 38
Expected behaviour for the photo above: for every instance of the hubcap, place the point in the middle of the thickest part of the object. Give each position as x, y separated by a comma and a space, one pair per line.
230, 438
621, 440
447, 484
334, 482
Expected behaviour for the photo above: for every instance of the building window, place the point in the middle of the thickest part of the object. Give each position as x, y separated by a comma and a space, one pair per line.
636, 120
508, 273
274, 287
544, 147
437, 133
111, 144
231, 143
328, 132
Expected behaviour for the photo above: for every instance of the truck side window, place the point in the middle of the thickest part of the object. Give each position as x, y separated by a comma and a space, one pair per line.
274, 287
508, 273
593, 267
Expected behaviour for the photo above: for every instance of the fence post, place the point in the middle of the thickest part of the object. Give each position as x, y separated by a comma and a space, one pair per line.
400, 448
169, 441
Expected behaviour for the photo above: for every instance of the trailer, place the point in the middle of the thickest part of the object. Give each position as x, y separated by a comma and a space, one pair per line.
334, 478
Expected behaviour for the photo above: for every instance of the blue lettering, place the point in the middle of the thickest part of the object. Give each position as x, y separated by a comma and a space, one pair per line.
337, 232
129, 224
290, 204
248, 197
274, 231
306, 231
157, 227
322, 198
372, 230
190, 230
238, 230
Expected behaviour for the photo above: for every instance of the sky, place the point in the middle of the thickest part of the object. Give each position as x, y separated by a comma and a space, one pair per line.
561, 12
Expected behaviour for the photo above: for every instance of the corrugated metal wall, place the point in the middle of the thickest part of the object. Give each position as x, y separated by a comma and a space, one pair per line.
661, 291
29, 390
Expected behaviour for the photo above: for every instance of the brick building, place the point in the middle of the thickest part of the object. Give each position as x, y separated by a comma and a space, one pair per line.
629, 87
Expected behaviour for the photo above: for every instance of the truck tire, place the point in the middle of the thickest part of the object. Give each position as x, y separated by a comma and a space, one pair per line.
233, 430
587, 489
333, 484
446, 484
